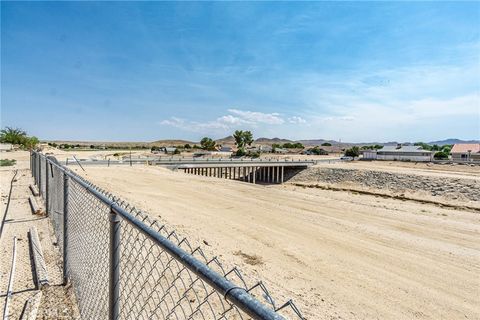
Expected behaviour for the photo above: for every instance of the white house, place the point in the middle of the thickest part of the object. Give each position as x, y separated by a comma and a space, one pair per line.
400, 153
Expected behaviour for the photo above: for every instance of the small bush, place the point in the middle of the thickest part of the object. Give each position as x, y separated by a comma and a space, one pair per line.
253, 154
440, 155
240, 153
7, 162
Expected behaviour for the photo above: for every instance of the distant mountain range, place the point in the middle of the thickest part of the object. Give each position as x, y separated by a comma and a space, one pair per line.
453, 141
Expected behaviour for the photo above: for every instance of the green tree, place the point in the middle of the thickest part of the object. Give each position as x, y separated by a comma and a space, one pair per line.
447, 148
30, 142
12, 135
242, 139
187, 146
326, 144
18, 136
352, 152
207, 144
424, 145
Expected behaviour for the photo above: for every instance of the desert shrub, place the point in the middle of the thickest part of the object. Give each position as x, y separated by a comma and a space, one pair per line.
177, 151
318, 151
7, 162
296, 145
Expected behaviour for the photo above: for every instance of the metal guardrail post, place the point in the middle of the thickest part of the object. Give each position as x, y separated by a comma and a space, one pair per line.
114, 268
65, 228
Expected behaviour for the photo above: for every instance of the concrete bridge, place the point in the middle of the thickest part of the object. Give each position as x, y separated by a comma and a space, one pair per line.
264, 170
248, 171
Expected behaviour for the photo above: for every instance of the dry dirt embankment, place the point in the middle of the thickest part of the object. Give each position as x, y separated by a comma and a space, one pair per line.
423, 187
339, 255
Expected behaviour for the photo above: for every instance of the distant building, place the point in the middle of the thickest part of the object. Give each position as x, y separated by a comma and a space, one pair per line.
369, 154
399, 153
462, 152
265, 148
281, 150
168, 150
225, 149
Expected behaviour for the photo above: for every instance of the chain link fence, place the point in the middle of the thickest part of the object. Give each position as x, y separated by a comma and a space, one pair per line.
123, 265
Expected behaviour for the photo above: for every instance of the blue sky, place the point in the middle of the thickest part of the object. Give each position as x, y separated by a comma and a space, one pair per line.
142, 71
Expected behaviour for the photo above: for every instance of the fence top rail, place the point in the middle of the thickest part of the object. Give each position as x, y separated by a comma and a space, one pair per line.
239, 296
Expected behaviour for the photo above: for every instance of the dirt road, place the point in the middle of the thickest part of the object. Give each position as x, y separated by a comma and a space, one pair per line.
339, 255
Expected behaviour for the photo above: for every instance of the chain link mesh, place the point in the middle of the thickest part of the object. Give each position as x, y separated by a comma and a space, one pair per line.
55, 201
153, 285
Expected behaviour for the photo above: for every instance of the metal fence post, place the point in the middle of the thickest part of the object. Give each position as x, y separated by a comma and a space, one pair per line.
114, 267
65, 228
40, 176
34, 168
46, 185
38, 171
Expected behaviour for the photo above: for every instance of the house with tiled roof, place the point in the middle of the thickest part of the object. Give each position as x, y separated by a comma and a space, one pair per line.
462, 152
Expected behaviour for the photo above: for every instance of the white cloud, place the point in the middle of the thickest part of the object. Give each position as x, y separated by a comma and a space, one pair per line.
297, 120
228, 122
258, 117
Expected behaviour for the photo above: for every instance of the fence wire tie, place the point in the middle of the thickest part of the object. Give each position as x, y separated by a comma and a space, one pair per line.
230, 289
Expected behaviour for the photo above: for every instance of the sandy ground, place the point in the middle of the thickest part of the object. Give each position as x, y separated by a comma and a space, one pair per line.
57, 300
339, 255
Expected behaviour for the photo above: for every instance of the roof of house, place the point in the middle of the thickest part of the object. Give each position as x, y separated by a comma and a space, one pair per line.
403, 149
465, 147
